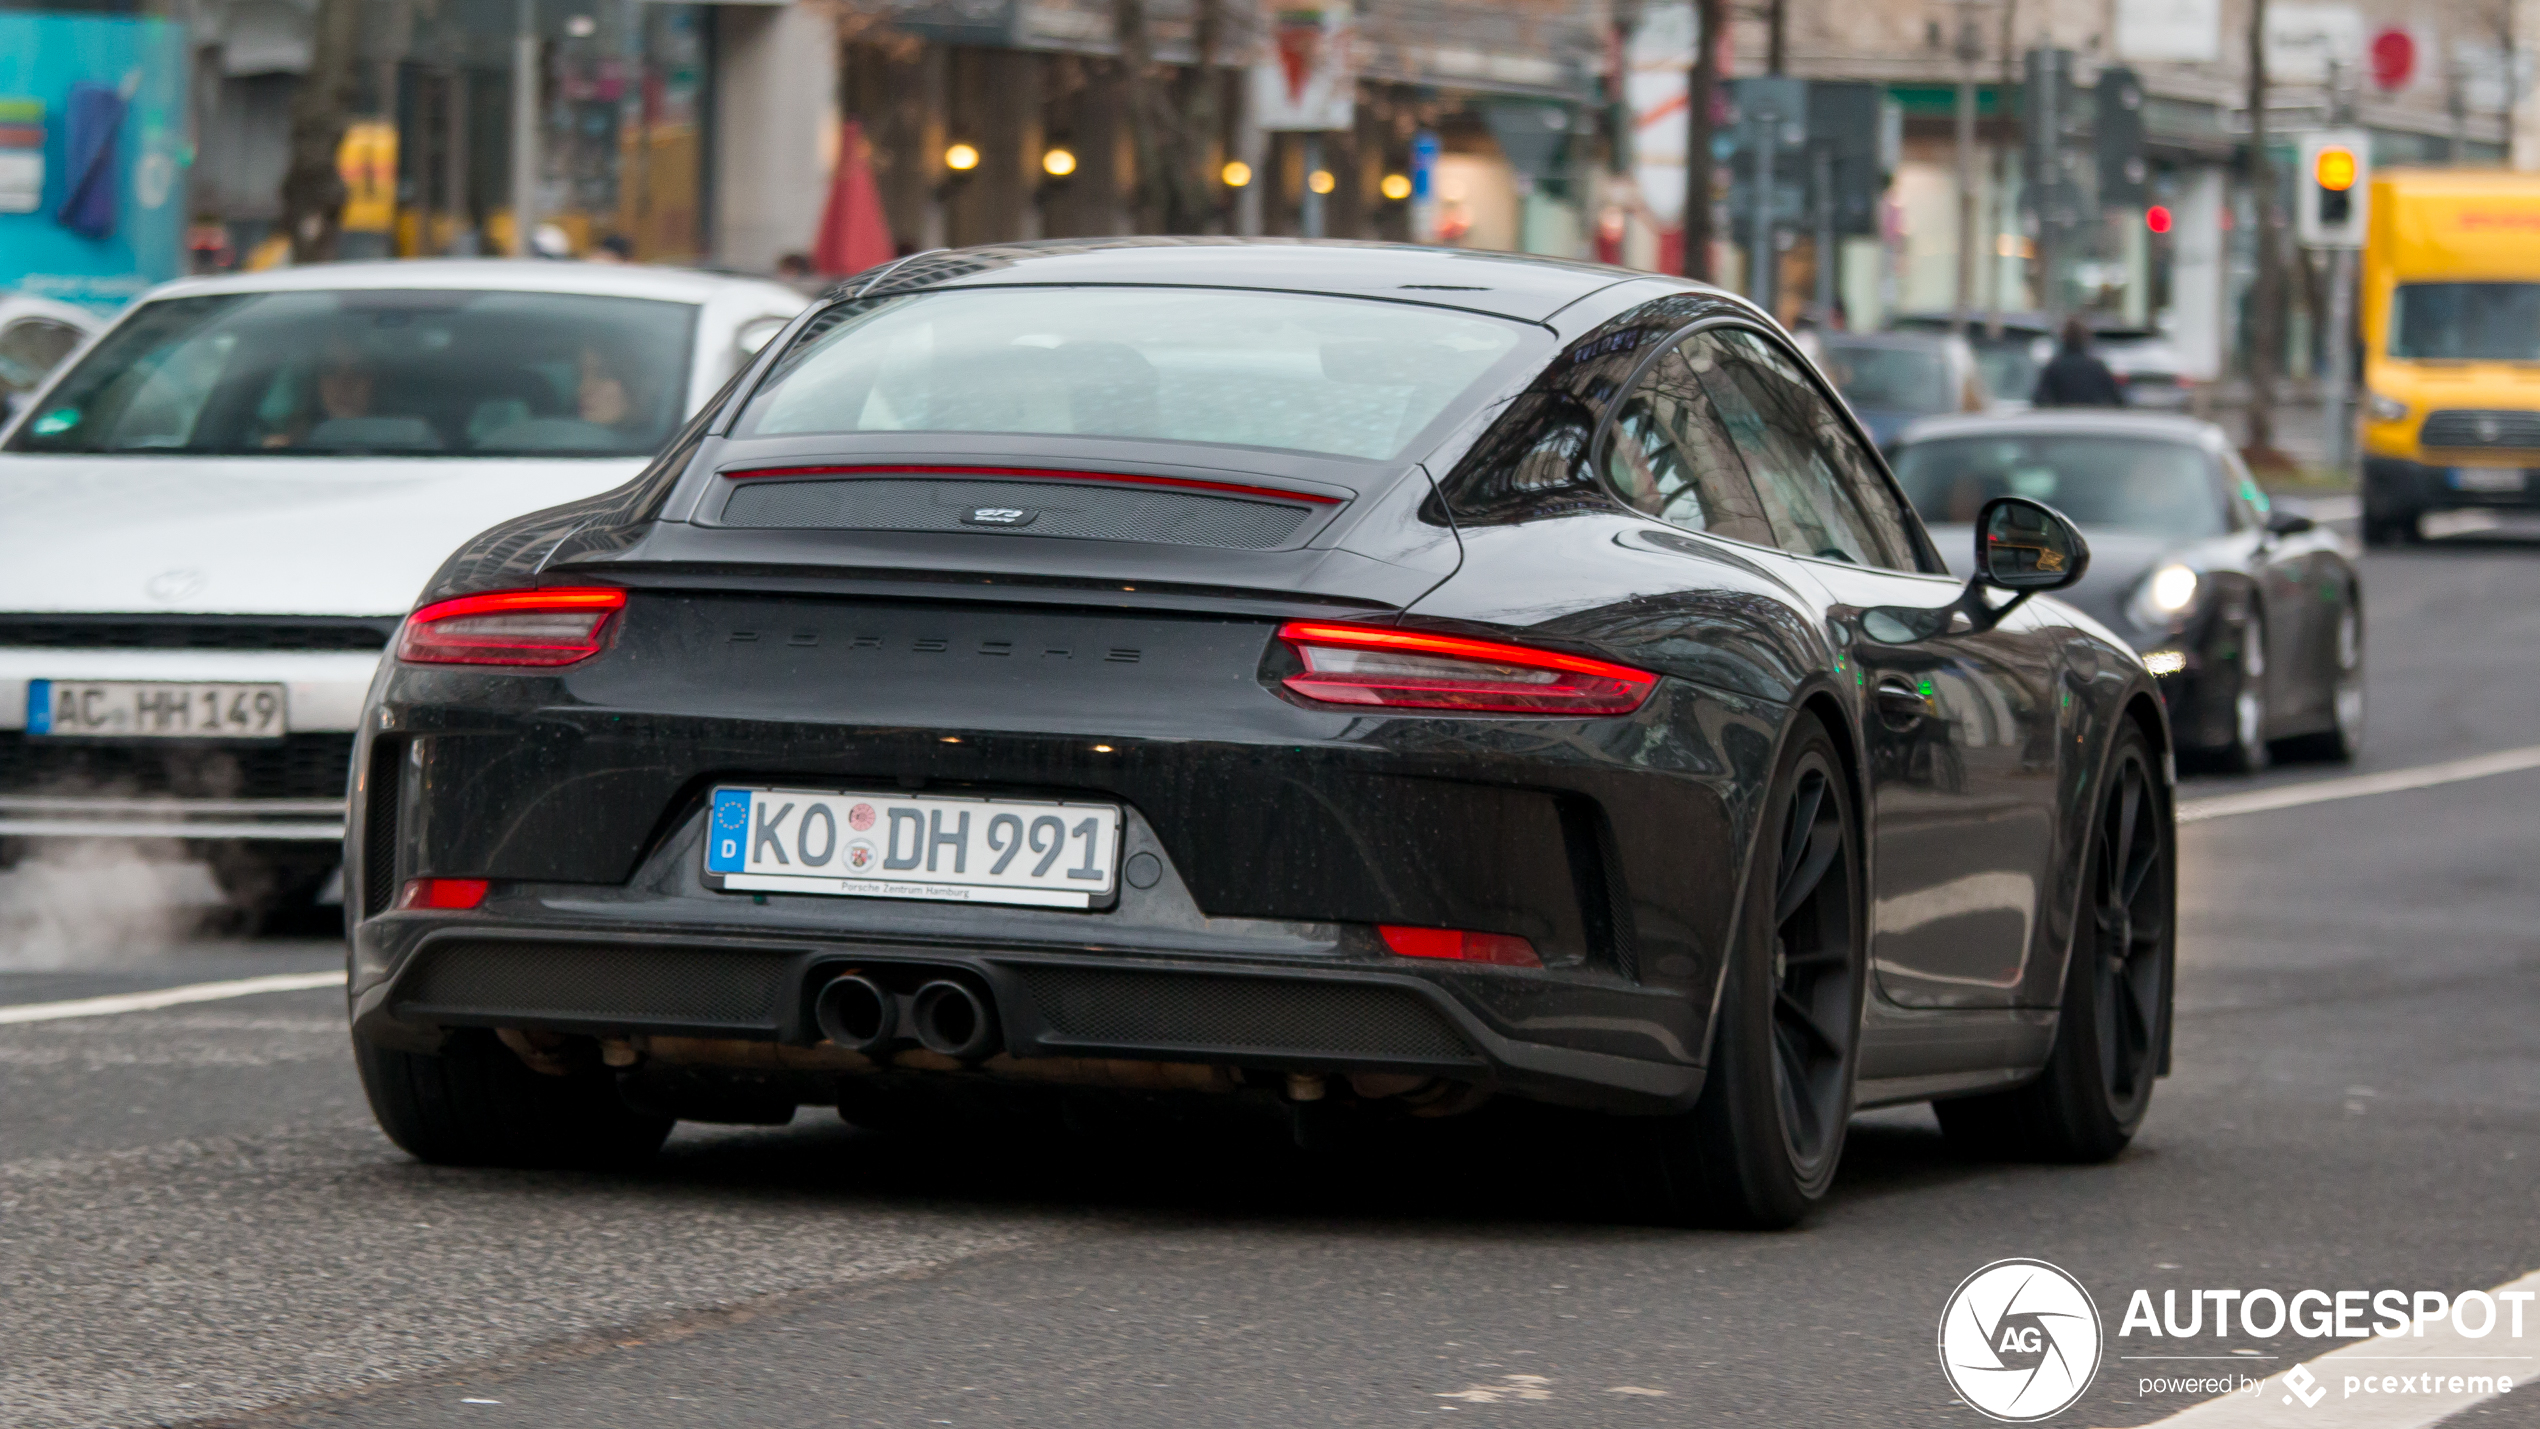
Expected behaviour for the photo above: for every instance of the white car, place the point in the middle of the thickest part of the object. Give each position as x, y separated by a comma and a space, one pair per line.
219, 512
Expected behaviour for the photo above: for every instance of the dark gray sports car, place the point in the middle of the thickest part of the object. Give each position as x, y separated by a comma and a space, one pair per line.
1361, 679
2251, 618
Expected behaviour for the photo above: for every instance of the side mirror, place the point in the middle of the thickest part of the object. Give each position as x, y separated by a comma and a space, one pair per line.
2022, 546
2287, 523
2025, 546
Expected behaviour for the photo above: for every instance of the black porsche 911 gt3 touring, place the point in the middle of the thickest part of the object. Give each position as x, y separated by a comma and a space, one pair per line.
1371, 679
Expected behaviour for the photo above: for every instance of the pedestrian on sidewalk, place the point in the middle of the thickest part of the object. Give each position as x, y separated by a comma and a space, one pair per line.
2076, 377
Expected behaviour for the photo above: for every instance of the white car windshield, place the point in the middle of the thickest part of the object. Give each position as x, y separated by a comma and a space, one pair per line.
1293, 371
404, 372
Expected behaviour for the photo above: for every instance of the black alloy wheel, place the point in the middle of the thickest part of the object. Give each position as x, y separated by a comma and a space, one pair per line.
2112, 1035
1762, 1144
476, 1102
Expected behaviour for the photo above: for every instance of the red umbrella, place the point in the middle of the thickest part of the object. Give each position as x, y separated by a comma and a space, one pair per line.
853, 234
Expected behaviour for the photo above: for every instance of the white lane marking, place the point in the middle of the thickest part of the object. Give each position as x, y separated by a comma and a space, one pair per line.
168, 997
2423, 776
2405, 1358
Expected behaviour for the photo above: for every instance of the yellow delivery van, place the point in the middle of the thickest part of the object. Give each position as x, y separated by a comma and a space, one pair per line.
2451, 312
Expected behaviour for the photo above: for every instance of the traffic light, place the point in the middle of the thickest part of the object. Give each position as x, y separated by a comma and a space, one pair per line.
2334, 182
1858, 126
2118, 136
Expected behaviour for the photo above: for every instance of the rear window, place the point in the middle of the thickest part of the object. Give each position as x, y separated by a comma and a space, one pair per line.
377, 373
1291, 371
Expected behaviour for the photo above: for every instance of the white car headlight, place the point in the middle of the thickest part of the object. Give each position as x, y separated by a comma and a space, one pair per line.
2385, 409
2168, 594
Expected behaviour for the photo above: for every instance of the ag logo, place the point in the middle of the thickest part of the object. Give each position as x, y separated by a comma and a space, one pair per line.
2019, 1341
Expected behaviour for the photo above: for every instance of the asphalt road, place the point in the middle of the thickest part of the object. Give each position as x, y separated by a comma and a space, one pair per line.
197, 1220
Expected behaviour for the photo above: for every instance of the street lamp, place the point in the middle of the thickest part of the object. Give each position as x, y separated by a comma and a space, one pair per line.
961, 158
1321, 181
1058, 163
1236, 174
1396, 187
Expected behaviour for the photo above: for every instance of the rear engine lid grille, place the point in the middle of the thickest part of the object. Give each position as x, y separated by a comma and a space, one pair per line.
1083, 510
165, 632
2466, 428
297, 766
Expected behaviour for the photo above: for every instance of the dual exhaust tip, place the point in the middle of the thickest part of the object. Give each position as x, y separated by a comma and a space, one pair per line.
943, 1016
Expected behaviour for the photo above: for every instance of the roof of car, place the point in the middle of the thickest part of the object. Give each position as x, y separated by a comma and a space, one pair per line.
2094, 421
629, 280
1512, 285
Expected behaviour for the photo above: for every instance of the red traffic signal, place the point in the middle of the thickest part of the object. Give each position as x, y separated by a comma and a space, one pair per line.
2157, 218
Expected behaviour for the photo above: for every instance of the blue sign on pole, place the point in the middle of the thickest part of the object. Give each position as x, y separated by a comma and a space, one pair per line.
1424, 166
92, 155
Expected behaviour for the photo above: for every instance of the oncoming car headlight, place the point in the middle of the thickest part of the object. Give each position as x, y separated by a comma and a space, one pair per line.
2385, 409
2169, 593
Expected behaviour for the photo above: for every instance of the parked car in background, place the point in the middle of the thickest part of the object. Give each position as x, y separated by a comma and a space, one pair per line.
2010, 350
220, 511
2147, 367
2145, 362
35, 335
1891, 379
2251, 619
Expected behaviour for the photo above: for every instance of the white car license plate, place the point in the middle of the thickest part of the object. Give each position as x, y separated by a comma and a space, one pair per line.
1041, 853
2487, 478
155, 709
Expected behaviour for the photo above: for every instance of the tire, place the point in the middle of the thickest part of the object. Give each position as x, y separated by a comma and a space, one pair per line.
2344, 737
270, 890
2246, 753
475, 1103
2112, 1034
1761, 1145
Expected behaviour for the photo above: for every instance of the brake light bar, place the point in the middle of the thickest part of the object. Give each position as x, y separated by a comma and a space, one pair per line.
1505, 950
1405, 669
511, 627
1034, 473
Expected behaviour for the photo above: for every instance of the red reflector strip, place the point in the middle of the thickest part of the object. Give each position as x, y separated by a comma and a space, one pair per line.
442, 893
511, 627
1500, 949
1404, 669
1185, 483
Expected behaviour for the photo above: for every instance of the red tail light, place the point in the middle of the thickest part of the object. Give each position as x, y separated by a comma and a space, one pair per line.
511, 627
1504, 949
1403, 669
442, 893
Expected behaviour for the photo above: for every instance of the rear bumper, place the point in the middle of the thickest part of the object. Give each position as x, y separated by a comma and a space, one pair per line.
416, 976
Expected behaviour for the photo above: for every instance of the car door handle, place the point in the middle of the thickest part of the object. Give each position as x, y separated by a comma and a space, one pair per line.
1901, 703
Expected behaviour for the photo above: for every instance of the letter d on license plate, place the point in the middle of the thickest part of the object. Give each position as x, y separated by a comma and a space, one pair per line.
1040, 853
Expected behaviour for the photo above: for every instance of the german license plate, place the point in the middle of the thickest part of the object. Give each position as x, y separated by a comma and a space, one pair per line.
1039, 853
155, 709
2487, 478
